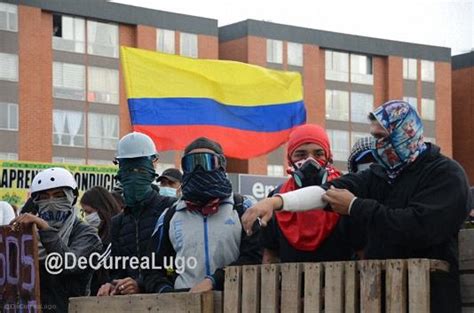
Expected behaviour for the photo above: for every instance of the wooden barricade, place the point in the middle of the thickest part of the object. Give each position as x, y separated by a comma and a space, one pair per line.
182, 302
19, 270
331, 287
466, 267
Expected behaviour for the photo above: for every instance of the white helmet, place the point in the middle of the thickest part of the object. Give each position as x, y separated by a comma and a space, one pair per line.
135, 145
55, 177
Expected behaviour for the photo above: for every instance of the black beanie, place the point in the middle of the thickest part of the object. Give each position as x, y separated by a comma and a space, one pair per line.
204, 143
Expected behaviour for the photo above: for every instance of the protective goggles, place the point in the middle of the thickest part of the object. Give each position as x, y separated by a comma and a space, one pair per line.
207, 161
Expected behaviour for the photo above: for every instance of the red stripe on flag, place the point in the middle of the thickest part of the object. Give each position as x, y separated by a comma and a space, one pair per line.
239, 144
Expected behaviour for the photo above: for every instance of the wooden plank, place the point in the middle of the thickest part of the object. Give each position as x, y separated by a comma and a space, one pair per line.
250, 289
351, 286
233, 289
313, 281
334, 287
173, 302
396, 286
438, 265
218, 308
466, 249
468, 309
207, 302
291, 287
419, 285
467, 288
370, 286
269, 302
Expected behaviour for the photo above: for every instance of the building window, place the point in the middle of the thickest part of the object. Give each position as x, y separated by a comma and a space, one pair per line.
102, 39
274, 51
428, 109
68, 128
361, 69
409, 69
275, 170
9, 116
165, 41
68, 33
8, 67
413, 101
69, 160
8, 156
337, 66
102, 85
69, 81
427, 71
295, 54
339, 143
103, 131
188, 45
361, 105
337, 105
8, 17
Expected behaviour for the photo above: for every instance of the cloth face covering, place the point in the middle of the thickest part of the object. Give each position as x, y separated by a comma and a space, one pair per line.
135, 176
59, 214
404, 142
200, 187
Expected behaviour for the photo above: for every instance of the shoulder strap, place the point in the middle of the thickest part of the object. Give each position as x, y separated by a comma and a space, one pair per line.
239, 204
163, 220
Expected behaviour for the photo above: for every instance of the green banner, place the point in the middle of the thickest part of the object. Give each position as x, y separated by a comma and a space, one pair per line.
16, 178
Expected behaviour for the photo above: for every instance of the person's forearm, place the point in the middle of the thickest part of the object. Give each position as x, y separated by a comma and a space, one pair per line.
303, 199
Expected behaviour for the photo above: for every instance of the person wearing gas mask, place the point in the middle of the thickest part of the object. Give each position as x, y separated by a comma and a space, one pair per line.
54, 193
170, 182
99, 206
132, 229
314, 235
412, 202
204, 224
361, 155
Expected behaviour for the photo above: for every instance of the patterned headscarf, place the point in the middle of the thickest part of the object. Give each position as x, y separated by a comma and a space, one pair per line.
405, 140
361, 148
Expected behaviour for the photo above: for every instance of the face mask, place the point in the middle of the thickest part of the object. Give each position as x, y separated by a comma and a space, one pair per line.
55, 211
93, 219
168, 192
136, 177
310, 172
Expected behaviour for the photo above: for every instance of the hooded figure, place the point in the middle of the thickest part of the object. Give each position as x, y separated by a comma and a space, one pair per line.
54, 193
411, 203
361, 156
312, 235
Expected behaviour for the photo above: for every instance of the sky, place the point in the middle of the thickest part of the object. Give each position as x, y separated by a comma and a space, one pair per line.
446, 23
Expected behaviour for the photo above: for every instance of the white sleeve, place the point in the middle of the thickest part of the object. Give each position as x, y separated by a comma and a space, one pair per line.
304, 199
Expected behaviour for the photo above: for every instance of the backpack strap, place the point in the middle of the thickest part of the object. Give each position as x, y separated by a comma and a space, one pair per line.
239, 204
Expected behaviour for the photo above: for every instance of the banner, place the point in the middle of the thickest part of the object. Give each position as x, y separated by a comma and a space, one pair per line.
16, 178
19, 271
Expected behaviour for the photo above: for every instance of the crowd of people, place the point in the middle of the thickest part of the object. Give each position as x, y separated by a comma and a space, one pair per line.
401, 198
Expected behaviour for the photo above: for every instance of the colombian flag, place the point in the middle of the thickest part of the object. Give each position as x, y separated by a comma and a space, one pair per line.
248, 109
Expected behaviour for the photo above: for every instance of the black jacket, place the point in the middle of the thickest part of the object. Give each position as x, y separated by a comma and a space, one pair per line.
57, 289
130, 234
417, 216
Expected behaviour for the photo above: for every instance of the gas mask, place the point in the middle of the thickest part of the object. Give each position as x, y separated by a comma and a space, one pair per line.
310, 172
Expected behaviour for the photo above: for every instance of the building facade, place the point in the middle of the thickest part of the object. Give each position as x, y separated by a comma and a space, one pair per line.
63, 95
344, 78
463, 111
60, 77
